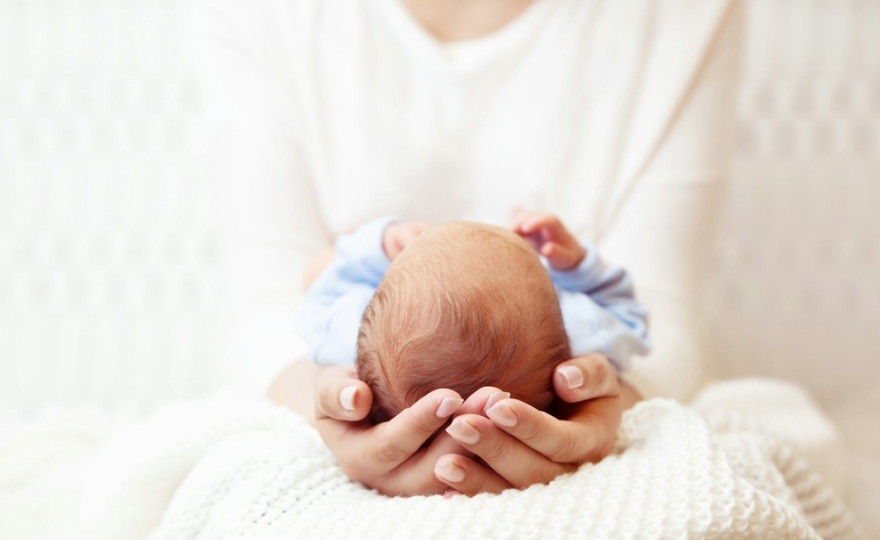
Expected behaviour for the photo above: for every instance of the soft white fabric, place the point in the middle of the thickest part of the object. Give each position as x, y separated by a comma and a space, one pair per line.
614, 115
729, 467
41, 474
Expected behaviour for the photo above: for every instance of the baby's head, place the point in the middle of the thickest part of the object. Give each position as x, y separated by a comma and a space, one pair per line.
465, 305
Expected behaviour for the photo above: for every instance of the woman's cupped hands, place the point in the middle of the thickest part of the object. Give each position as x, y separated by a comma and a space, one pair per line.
484, 444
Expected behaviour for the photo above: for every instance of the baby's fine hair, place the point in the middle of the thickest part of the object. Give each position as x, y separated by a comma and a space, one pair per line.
473, 309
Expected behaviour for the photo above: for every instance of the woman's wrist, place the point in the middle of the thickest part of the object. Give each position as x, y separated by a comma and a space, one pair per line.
295, 386
628, 394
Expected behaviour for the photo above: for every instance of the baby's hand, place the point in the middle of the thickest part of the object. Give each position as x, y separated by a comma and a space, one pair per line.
398, 235
550, 238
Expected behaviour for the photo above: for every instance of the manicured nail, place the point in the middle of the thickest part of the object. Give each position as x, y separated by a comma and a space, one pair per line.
464, 432
448, 405
449, 471
346, 397
495, 398
572, 375
502, 415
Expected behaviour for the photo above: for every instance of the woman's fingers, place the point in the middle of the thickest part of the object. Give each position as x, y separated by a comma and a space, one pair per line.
341, 395
416, 476
584, 436
400, 437
585, 377
366, 453
467, 476
477, 402
515, 462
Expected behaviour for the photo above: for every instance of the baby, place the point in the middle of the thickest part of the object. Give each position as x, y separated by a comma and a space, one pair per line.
465, 305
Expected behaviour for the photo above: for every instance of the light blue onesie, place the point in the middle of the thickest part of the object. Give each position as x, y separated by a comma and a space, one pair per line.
597, 302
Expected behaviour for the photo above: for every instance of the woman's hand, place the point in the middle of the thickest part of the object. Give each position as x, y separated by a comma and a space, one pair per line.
533, 448
390, 456
524, 446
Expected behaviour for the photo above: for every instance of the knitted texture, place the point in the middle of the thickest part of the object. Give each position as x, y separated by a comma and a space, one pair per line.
674, 473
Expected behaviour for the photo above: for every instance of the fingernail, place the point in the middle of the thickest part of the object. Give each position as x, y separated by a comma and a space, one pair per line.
449, 471
346, 397
464, 432
448, 406
572, 375
494, 398
502, 415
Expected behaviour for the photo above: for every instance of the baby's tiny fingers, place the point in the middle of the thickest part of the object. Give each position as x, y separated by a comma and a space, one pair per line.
411, 232
539, 221
516, 225
555, 252
517, 215
406, 237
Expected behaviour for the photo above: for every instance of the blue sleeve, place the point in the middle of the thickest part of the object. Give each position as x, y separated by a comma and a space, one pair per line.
330, 315
600, 311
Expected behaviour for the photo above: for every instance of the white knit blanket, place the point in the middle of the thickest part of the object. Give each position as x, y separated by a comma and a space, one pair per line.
741, 462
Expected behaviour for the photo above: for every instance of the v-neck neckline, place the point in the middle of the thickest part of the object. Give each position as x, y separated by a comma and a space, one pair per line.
466, 55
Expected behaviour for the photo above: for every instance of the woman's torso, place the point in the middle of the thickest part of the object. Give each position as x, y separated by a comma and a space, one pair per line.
394, 122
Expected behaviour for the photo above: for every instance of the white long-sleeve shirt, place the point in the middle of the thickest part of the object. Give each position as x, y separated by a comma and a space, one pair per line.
324, 114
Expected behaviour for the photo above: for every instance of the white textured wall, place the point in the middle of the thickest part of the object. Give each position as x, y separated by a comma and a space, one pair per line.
108, 287
796, 293
797, 290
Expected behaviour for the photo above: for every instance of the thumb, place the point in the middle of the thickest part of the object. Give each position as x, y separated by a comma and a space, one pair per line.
342, 396
585, 377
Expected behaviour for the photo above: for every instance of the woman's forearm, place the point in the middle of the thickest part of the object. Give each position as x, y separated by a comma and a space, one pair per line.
295, 388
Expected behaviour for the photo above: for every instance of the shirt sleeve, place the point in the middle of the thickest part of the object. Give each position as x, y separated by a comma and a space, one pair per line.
600, 311
330, 315
665, 232
265, 207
